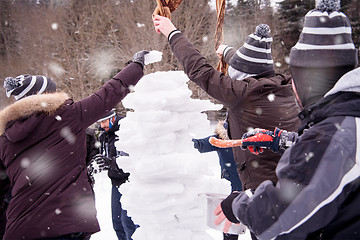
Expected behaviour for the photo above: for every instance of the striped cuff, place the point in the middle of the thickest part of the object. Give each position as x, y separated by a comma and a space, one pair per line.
173, 33
226, 50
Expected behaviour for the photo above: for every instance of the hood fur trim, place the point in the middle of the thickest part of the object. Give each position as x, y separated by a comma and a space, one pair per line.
221, 131
25, 107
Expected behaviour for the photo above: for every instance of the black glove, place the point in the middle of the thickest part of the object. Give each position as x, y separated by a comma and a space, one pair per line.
102, 162
139, 57
117, 175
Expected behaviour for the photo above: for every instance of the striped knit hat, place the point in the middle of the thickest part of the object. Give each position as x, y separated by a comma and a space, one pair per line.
108, 115
254, 57
324, 52
26, 85
325, 40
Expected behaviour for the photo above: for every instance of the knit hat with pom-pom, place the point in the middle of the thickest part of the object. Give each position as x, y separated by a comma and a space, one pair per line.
254, 57
324, 52
325, 40
26, 85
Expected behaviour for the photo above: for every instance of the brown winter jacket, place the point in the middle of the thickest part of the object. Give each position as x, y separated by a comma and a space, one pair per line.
264, 101
43, 147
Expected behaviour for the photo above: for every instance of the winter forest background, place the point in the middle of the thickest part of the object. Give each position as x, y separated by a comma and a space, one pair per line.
82, 43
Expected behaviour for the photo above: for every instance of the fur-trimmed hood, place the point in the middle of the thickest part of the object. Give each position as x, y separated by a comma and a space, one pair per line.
47, 103
221, 131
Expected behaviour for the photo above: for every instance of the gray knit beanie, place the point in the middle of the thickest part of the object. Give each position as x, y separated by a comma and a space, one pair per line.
325, 40
324, 52
254, 57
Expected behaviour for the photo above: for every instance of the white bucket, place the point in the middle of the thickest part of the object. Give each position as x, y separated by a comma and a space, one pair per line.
213, 200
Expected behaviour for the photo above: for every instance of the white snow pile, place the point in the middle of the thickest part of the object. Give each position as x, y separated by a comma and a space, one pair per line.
169, 178
152, 57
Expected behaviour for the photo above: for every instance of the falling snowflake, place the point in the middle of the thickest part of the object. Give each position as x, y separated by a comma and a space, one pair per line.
309, 156
27, 178
54, 26
271, 97
338, 127
97, 144
258, 111
67, 135
287, 59
25, 163
57, 211
205, 39
250, 129
56, 69
323, 19
255, 164
140, 25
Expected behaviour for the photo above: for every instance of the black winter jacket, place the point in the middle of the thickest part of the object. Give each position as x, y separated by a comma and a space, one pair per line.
318, 192
107, 140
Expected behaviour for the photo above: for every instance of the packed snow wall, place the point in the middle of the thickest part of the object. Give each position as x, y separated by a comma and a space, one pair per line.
169, 178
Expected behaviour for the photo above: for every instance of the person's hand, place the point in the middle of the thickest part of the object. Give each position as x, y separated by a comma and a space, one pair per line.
117, 175
91, 171
258, 139
163, 25
139, 57
221, 217
102, 162
220, 50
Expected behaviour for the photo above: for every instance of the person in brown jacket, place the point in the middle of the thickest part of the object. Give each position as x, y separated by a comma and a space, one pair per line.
256, 97
43, 150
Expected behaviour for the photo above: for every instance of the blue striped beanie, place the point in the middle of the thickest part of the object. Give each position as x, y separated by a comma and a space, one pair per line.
254, 57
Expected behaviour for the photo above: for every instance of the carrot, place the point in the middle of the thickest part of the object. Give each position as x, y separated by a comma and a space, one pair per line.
225, 143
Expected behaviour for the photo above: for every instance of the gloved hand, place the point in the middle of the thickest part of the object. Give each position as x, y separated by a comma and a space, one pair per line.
102, 162
117, 175
258, 139
139, 57
91, 172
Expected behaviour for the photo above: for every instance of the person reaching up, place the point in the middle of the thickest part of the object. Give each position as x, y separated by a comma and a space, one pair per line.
43, 151
253, 93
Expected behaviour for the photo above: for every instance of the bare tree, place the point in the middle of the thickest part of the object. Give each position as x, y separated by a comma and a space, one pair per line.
82, 43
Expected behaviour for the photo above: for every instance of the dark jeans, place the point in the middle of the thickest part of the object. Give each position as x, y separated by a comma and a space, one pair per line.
122, 223
228, 236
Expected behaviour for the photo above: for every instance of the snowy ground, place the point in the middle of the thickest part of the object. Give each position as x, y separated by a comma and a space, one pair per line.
102, 190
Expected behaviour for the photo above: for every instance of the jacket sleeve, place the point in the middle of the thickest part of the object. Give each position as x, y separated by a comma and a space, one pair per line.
4, 191
4, 182
203, 145
90, 109
221, 87
313, 184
